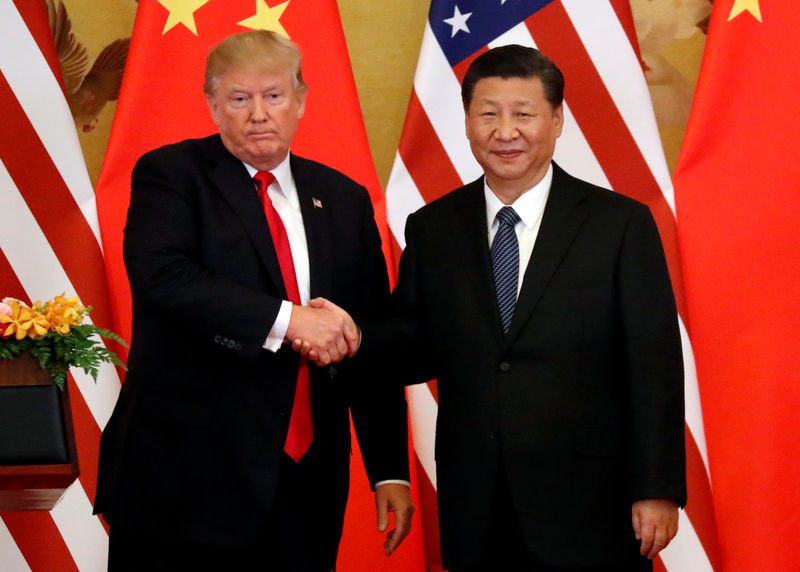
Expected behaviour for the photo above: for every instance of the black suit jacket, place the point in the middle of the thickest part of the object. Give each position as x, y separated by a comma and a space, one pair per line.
196, 438
582, 401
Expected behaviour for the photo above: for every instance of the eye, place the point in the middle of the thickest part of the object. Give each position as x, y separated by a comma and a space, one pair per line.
238, 100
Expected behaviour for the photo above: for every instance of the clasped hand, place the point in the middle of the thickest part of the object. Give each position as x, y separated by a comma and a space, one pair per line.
322, 332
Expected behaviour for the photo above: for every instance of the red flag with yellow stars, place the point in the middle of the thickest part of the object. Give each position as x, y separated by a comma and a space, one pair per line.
161, 102
737, 187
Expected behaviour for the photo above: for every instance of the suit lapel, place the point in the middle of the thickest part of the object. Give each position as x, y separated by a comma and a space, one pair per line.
563, 217
469, 234
316, 204
233, 182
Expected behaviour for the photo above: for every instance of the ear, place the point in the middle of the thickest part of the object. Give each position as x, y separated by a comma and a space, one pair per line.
213, 107
301, 98
558, 119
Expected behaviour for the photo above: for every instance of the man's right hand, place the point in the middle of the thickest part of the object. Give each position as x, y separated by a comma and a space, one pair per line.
322, 332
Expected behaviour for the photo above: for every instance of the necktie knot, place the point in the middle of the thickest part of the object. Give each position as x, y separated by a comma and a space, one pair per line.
507, 216
263, 180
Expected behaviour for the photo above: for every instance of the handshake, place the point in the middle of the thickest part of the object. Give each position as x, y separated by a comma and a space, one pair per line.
322, 332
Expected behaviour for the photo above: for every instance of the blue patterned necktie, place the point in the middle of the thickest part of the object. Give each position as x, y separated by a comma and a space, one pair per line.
505, 264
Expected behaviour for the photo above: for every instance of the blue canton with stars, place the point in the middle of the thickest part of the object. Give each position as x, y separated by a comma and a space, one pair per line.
485, 20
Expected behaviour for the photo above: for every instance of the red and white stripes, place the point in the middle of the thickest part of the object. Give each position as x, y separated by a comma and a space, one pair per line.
50, 244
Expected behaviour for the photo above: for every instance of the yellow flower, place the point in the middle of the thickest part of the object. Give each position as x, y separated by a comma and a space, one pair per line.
63, 313
24, 322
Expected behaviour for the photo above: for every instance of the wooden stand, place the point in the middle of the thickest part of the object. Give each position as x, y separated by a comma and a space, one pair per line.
36, 486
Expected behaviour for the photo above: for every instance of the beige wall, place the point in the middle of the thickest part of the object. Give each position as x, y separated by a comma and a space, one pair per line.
384, 39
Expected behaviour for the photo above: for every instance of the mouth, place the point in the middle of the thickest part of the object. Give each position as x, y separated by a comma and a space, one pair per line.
259, 135
507, 154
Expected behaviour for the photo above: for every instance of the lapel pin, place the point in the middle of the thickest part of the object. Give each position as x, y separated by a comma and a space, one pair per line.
317, 202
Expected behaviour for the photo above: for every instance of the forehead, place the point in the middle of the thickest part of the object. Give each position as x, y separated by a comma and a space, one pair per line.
255, 79
513, 89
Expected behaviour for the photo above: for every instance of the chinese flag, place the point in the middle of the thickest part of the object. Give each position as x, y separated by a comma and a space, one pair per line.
737, 188
161, 102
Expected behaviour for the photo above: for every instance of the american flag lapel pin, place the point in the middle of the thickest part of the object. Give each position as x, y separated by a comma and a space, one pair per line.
317, 202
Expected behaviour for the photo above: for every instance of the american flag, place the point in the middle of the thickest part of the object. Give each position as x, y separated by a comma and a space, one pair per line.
50, 244
610, 138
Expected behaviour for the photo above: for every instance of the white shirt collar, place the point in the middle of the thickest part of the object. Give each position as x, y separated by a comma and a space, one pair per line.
284, 182
529, 205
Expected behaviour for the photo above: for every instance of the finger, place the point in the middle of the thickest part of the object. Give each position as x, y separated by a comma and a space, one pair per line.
637, 525
352, 336
383, 514
301, 347
647, 539
402, 526
342, 348
387, 545
317, 303
323, 358
314, 356
659, 542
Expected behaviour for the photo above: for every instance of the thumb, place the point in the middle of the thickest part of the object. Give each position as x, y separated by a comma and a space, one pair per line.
383, 515
317, 303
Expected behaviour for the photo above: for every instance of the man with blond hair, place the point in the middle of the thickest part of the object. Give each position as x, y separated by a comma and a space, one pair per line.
226, 451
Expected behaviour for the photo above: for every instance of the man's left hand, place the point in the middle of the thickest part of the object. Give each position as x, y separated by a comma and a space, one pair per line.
655, 522
396, 498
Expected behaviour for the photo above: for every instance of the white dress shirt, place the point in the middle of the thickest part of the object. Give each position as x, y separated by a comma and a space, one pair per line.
283, 194
530, 208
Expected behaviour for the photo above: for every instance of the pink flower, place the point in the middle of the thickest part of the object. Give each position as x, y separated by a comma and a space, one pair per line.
5, 310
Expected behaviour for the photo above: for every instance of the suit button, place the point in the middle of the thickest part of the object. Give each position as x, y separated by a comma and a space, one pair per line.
217, 339
238, 347
230, 344
333, 371
505, 366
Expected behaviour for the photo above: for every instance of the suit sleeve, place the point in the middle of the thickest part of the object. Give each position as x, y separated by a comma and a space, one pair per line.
654, 363
378, 407
162, 252
399, 338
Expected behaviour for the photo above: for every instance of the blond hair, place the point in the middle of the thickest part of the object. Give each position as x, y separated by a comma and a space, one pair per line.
255, 50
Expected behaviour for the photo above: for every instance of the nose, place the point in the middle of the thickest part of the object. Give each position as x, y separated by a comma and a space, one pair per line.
506, 128
259, 111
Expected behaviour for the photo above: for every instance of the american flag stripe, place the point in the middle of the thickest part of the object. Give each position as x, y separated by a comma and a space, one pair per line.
610, 138
424, 155
39, 542
49, 238
615, 146
60, 220
12, 557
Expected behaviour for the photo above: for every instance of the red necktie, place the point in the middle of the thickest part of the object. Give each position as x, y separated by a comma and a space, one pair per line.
301, 430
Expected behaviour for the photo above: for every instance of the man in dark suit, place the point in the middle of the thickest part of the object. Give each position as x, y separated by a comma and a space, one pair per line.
559, 438
226, 451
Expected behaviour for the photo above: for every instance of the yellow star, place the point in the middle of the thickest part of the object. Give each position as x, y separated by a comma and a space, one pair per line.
266, 18
181, 12
745, 6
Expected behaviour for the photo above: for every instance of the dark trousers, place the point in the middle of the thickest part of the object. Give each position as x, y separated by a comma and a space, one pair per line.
505, 550
297, 535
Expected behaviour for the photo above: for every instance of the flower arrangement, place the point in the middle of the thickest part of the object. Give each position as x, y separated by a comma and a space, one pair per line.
53, 332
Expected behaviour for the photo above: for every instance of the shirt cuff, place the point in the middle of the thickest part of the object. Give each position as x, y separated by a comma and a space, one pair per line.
393, 482
279, 327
